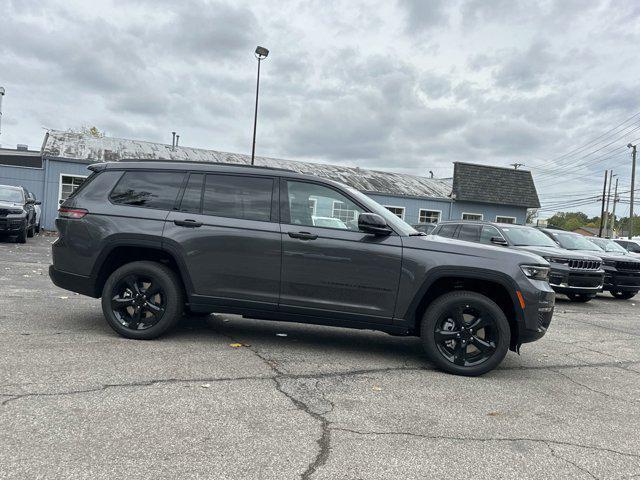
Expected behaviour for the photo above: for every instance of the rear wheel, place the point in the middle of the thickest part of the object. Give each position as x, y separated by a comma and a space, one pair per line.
142, 300
465, 333
623, 295
580, 297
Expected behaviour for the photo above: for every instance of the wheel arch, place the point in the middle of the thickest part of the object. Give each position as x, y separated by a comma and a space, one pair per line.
497, 286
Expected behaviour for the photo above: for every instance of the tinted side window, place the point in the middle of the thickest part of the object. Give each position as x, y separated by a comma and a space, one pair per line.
192, 197
448, 230
488, 232
238, 196
148, 189
470, 233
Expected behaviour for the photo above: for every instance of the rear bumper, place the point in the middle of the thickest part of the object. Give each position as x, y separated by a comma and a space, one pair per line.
75, 283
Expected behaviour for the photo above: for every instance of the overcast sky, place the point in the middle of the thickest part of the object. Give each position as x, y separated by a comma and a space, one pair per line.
407, 85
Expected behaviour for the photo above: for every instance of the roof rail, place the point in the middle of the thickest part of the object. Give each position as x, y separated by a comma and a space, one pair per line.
200, 162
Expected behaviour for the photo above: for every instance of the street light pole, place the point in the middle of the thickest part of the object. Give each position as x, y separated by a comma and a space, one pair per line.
261, 53
1, 97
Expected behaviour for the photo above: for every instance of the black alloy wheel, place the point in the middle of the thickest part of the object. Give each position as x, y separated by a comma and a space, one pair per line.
142, 300
580, 297
465, 333
623, 295
138, 303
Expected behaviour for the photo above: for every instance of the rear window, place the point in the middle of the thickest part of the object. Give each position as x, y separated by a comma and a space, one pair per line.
148, 189
238, 196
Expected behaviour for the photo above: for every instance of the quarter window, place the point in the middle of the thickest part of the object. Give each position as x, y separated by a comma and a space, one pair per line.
238, 196
428, 216
315, 205
472, 216
148, 189
397, 211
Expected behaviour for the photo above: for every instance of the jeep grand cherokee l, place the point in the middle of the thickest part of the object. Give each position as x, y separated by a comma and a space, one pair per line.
621, 271
155, 238
17, 213
577, 275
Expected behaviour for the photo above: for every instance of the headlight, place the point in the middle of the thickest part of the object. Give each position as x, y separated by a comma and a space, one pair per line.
562, 261
16, 211
535, 271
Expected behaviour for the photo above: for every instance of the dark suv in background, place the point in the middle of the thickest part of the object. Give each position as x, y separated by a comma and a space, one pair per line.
577, 275
17, 213
622, 270
155, 238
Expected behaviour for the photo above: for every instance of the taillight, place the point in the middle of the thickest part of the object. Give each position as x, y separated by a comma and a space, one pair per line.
72, 212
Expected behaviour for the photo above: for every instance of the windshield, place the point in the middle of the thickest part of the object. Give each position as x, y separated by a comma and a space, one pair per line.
8, 194
574, 241
527, 236
608, 245
394, 221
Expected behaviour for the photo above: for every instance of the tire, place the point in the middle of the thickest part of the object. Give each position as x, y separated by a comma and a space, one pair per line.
31, 231
22, 236
38, 229
445, 314
189, 313
623, 295
147, 297
580, 297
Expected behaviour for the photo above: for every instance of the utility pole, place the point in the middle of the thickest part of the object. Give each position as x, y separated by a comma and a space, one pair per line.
606, 213
604, 193
1, 96
613, 215
633, 187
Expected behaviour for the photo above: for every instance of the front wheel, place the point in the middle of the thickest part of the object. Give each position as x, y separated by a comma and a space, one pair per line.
142, 300
623, 295
465, 333
22, 236
580, 297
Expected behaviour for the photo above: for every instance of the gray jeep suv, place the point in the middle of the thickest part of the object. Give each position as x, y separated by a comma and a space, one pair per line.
156, 239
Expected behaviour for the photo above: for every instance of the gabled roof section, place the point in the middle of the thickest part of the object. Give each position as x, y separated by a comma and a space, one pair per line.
89, 149
498, 185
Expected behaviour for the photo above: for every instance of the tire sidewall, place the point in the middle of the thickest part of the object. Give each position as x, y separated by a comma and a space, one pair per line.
169, 283
444, 303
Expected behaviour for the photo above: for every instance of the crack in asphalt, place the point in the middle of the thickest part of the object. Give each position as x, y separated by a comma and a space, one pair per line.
560, 457
575, 382
544, 441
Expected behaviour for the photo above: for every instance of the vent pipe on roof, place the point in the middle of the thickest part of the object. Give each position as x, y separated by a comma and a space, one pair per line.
177, 139
430, 173
173, 141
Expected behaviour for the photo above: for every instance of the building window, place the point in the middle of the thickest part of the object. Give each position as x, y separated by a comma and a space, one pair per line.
68, 185
429, 216
397, 211
472, 216
342, 212
313, 205
500, 219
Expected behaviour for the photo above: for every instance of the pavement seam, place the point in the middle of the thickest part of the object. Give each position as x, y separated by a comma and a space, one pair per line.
560, 457
490, 439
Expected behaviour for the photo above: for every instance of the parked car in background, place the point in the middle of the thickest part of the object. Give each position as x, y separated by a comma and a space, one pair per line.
155, 238
631, 246
38, 209
425, 227
579, 276
621, 271
17, 213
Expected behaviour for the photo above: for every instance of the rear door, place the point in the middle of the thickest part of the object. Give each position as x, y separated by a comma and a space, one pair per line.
329, 267
227, 235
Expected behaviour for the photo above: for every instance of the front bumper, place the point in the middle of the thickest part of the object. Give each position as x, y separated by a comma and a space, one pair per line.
567, 280
621, 280
70, 281
12, 225
538, 311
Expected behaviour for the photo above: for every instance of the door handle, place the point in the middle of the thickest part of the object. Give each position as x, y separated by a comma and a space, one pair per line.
303, 235
187, 223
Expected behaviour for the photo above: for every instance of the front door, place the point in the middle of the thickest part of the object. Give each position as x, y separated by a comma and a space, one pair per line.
329, 267
227, 234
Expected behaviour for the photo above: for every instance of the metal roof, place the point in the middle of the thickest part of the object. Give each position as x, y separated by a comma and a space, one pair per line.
90, 149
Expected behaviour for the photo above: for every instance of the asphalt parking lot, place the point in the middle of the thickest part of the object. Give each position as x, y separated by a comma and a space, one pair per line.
296, 401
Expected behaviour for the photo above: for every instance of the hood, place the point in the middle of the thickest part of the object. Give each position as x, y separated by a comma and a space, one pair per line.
558, 252
607, 255
472, 249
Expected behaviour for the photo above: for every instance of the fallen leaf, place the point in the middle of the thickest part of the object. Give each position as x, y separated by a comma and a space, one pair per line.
493, 414
235, 345
376, 388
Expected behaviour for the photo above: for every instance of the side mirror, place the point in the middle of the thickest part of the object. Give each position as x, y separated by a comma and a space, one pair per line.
30, 201
499, 241
37, 202
373, 223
